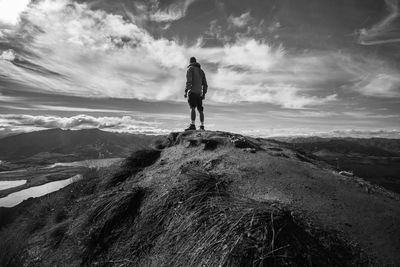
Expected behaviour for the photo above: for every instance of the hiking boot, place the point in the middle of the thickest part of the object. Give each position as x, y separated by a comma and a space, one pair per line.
191, 128
202, 128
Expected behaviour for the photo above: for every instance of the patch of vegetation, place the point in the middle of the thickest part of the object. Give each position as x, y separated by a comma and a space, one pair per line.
37, 216
107, 218
60, 216
135, 163
87, 185
166, 141
58, 233
12, 246
200, 223
212, 143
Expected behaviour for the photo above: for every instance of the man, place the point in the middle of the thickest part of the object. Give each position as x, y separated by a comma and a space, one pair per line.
196, 89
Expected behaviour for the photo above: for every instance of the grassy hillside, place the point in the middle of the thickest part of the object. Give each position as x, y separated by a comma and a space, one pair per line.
208, 199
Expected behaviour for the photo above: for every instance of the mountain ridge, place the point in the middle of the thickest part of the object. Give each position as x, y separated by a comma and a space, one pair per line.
83, 144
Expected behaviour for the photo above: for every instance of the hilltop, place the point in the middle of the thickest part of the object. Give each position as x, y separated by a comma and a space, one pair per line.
210, 199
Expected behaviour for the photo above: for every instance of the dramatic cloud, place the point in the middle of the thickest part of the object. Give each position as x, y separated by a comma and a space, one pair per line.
99, 54
22, 123
385, 31
262, 62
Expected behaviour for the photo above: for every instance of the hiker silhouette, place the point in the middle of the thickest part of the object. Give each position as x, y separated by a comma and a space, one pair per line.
195, 91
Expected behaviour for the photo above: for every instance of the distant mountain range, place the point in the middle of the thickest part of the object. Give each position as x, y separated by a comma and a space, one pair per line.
381, 147
58, 144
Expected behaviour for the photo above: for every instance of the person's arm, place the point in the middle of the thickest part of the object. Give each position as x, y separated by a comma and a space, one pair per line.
205, 85
189, 80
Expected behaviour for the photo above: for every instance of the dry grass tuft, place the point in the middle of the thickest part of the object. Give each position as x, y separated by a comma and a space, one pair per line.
200, 223
135, 163
107, 218
57, 234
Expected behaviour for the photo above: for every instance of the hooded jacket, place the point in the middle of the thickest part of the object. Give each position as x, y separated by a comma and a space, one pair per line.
196, 80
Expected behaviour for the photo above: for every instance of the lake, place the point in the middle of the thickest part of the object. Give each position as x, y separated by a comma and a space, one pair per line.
10, 184
36, 191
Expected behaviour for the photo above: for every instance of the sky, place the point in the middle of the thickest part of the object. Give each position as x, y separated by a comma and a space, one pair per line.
274, 67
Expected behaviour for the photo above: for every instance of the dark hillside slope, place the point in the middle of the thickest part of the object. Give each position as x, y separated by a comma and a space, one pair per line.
375, 159
366, 146
90, 143
210, 199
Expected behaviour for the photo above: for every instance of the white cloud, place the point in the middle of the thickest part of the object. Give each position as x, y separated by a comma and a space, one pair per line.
10, 99
240, 21
369, 115
173, 12
306, 132
22, 123
253, 54
285, 95
10, 10
102, 55
76, 109
8, 55
380, 85
370, 76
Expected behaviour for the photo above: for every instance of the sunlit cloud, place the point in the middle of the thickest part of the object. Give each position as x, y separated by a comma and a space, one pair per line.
100, 54
8, 55
10, 11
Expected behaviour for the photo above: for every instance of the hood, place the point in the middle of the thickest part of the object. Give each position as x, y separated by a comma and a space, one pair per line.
195, 65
